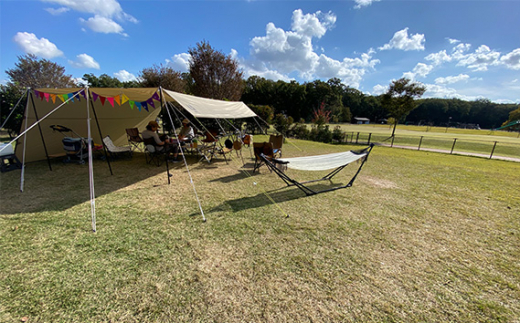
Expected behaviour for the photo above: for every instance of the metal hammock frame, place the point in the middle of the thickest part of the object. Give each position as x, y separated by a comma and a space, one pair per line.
275, 165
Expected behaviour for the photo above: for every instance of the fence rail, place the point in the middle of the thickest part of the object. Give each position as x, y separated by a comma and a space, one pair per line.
447, 145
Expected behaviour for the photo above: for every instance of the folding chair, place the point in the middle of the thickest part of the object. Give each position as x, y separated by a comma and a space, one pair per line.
227, 149
247, 140
116, 151
208, 146
134, 139
262, 148
277, 141
237, 147
153, 154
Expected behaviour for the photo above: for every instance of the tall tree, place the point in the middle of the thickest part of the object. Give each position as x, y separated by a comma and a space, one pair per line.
163, 76
399, 99
38, 73
103, 80
215, 75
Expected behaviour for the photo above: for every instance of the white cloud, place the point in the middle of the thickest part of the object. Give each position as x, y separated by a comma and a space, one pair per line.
281, 52
104, 25
403, 42
124, 76
42, 47
84, 61
452, 79
363, 3
480, 59
453, 41
420, 69
179, 62
512, 60
441, 91
104, 12
439, 58
57, 12
379, 89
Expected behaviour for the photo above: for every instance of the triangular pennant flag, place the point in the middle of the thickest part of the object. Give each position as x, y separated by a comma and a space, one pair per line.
46, 97
36, 94
131, 103
83, 93
145, 106
156, 97
138, 105
71, 96
61, 97
53, 97
102, 99
111, 101
94, 96
41, 95
117, 98
124, 99
150, 102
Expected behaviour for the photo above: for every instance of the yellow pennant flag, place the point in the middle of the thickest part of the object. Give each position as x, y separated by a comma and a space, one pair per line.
124, 99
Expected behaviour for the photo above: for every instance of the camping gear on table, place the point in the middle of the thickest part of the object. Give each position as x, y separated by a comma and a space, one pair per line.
76, 148
8, 160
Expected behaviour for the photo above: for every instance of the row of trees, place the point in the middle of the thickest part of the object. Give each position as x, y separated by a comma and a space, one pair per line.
213, 74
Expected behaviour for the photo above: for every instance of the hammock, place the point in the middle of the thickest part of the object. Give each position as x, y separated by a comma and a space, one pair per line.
336, 161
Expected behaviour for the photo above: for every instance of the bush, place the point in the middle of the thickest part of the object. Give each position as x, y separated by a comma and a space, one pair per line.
299, 131
338, 135
321, 134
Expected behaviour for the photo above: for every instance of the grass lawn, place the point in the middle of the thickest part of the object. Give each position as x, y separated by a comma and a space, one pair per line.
420, 236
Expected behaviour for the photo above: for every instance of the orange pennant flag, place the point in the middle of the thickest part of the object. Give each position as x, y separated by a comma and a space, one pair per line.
116, 98
53, 97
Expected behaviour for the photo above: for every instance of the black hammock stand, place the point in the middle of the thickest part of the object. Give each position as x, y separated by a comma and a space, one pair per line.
277, 165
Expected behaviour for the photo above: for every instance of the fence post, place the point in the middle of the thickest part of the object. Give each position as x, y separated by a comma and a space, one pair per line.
357, 138
352, 138
369, 135
420, 142
392, 144
493, 150
454, 141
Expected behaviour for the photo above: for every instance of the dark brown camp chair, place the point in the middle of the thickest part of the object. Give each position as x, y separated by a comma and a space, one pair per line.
208, 146
153, 153
277, 141
265, 148
134, 139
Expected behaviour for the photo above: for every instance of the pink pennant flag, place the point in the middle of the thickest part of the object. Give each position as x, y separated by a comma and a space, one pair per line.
111, 101
102, 99
46, 97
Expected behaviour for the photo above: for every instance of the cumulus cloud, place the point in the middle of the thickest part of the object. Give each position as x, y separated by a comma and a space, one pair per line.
84, 61
512, 60
363, 3
293, 52
379, 89
453, 41
420, 69
42, 47
179, 62
403, 42
480, 59
104, 25
439, 58
104, 11
56, 12
124, 76
452, 79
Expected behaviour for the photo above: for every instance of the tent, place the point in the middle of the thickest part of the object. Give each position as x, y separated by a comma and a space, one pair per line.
97, 112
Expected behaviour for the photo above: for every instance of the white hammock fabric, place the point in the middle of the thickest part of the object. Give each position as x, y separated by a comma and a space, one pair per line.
322, 162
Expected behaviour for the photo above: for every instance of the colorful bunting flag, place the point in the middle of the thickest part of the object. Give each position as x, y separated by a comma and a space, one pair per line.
117, 99
94, 96
102, 99
131, 103
111, 101
125, 98
53, 97
138, 105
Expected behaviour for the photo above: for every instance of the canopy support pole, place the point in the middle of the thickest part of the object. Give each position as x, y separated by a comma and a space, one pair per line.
41, 133
91, 165
99, 129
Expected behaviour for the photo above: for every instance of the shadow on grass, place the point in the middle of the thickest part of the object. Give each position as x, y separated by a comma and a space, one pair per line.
281, 195
67, 185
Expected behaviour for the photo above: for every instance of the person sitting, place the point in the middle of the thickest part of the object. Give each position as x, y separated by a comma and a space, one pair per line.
186, 132
161, 143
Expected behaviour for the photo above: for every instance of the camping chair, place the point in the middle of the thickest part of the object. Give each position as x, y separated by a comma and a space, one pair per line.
277, 141
336, 161
260, 149
237, 147
153, 154
208, 145
115, 151
227, 149
134, 138
247, 140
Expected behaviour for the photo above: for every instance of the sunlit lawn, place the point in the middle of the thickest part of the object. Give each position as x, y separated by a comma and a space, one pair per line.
420, 236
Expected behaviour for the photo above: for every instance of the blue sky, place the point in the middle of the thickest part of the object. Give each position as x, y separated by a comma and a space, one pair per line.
462, 49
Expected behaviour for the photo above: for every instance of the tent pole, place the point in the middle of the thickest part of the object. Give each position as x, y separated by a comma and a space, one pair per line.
162, 104
26, 117
41, 133
99, 129
91, 169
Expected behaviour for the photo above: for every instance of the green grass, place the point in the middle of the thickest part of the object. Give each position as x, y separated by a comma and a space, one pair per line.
420, 237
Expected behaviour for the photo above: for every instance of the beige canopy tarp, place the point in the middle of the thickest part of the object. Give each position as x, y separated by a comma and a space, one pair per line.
209, 108
116, 110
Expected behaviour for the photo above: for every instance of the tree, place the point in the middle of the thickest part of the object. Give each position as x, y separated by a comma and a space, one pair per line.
38, 73
103, 80
215, 75
399, 99
9, 96
162, 76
